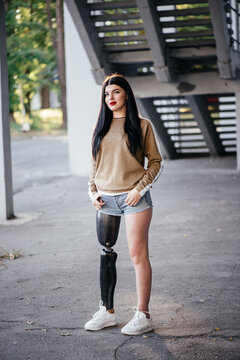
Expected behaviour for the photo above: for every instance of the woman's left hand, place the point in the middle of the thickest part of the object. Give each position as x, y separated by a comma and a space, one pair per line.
133, 198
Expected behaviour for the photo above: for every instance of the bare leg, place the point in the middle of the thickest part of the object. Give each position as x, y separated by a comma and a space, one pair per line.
137, 226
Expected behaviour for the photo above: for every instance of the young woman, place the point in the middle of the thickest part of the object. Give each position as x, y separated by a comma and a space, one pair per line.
119, 185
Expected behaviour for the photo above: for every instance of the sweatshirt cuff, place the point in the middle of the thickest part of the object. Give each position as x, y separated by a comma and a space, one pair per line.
94, 196
138, 188
142, 190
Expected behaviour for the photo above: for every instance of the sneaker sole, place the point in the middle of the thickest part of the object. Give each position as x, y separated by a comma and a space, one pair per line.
137, 332
113, 323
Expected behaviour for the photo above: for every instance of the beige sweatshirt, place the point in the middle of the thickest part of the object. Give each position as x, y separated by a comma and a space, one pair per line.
116, 170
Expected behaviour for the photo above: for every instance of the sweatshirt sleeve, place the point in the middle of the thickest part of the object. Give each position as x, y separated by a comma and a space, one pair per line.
92, 189
154, 166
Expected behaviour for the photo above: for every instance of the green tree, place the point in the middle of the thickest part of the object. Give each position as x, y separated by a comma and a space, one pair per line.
31, 57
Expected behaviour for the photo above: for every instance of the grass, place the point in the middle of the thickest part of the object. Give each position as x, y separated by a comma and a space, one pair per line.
14, 254
42, 122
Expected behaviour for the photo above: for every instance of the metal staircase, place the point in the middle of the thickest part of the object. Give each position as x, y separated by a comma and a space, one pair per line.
180, 124
222, 111
178, 25
183, 135
166, 39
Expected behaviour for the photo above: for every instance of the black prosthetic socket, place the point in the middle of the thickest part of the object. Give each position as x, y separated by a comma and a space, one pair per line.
107, 231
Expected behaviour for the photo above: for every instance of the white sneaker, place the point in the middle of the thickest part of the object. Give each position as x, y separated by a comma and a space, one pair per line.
101, 319
139, 324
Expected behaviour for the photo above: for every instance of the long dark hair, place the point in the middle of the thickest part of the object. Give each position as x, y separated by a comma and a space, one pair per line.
132, 123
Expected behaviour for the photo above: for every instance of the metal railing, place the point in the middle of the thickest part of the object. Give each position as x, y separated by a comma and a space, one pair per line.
232, 8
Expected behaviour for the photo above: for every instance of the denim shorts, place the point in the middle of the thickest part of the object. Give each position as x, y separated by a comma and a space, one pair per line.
115, 204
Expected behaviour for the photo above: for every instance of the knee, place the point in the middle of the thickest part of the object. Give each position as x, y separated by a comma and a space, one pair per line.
138, 256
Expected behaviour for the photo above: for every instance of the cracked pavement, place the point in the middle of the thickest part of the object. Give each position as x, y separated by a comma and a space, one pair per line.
51, 291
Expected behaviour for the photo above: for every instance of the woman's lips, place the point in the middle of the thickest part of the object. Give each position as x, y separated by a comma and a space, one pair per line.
112, 103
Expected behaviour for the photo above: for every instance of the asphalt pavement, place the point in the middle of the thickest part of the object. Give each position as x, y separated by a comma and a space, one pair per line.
50, 291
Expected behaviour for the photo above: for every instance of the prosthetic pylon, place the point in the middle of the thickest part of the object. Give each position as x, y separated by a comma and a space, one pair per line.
107, 232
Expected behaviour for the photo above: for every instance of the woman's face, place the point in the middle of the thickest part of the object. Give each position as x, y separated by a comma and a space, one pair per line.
115, 97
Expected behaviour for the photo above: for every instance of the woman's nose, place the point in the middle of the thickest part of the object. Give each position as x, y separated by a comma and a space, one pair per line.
111, 96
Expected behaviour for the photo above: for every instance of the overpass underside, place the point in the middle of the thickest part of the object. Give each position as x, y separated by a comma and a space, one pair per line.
182, 59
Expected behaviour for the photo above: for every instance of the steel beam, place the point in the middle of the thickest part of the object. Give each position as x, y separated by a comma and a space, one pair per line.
198, 106
189, 53
147, 110
127, 57
155, 38
88, 35
226, 66
199, 83
6, 190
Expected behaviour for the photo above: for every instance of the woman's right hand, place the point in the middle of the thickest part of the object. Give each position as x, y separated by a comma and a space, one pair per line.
97, 201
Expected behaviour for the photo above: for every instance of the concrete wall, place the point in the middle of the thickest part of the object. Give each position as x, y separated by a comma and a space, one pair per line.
83, 99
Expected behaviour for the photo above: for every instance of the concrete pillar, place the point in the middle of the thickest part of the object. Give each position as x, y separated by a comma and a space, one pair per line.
83, 99
237, 94
6, 192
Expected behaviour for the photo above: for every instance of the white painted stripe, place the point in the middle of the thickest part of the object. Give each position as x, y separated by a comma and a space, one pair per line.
90, 193
148, 187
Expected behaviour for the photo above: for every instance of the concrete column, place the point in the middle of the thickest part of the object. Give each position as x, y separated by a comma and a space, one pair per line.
237, 94
83, 99
6, 192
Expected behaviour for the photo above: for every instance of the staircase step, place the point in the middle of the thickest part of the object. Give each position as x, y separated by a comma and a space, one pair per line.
183, 153
183, 23
125, 27
184, 12
219, 103
190, 43
189, 147
112, 5
114, 17
169, 103
174, 111
179, 120
180, 133
187, 140
217, 111
185, 127
128, 47
179, 2
224, 125
107, 39
186, 34
227, 132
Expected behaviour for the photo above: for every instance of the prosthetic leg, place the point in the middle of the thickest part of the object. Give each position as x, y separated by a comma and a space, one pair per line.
107, 232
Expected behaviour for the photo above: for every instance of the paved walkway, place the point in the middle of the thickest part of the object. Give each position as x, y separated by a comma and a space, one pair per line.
50, 292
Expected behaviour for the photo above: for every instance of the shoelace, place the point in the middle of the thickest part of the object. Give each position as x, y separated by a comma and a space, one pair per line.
136, 317
100, 311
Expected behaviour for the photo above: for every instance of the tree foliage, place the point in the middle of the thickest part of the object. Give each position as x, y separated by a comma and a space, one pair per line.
31, 57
